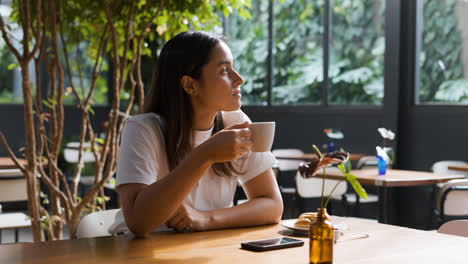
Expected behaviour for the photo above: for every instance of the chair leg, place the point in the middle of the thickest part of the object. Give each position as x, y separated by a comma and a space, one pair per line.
16, 235
358, 206
344, 203
0, 236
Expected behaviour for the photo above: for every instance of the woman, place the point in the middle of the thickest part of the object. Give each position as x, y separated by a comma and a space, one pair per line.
180, 162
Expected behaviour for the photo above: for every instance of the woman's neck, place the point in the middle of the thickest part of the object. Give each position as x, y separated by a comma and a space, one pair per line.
203, 120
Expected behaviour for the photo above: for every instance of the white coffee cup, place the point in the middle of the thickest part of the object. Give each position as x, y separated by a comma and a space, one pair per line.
262, 136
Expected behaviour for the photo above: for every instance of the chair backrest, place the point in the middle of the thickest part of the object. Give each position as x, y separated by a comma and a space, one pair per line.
366, 162
441, 167
312, 187
455, 227
71, 152
454, 202
95, 224
12, 186
287, 164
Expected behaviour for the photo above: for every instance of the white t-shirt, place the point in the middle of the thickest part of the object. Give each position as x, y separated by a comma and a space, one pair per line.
143, 159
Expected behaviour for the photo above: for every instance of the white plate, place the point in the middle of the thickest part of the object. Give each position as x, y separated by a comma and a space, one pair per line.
301, 230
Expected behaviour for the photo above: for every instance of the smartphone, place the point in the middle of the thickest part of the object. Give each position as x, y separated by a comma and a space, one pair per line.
271, 243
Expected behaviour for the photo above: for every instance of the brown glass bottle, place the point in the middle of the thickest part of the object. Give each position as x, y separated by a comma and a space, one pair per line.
321, 239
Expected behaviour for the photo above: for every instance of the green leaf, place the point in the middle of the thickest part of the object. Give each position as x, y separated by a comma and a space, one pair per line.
317, 151
90, 109
347, 166
100, 141
47, 104
352, 180
11, 66
112, 181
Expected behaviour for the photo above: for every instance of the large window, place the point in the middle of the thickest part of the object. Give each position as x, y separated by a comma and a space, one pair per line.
9, 93
298, 56
10, 79
248, 39
80, 62
10, 76
356, 52
443, 58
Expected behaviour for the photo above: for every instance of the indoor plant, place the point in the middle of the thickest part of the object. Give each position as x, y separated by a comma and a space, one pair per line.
321, 231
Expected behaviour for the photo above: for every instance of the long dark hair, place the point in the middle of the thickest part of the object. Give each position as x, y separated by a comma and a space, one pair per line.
184, 54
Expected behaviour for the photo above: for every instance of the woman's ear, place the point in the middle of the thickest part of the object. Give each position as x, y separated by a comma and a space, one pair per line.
188, 84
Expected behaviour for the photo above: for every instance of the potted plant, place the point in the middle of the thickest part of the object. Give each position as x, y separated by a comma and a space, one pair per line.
321, 231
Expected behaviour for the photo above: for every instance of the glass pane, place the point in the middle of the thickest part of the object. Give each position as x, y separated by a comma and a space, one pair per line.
298, 59
248, 42
10, 75
357, 48
443, 61
83, 86
10, 85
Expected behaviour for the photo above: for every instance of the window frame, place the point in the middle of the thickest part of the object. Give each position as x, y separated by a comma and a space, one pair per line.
327, 25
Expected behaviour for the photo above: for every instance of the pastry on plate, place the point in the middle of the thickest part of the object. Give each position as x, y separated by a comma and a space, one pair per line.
305, 219
302, 223
312, 216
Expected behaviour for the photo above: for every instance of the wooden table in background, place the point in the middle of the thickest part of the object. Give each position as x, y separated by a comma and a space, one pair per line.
463, 168
309, 156
384, 244
7, 163
392, 178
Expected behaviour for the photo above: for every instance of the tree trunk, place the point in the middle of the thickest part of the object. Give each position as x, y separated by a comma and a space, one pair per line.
32, 182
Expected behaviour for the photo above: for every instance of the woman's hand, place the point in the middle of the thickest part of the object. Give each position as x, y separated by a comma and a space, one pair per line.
186, 216
229, 144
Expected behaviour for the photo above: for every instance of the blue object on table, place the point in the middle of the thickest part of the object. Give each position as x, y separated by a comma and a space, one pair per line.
381, 165
331, 146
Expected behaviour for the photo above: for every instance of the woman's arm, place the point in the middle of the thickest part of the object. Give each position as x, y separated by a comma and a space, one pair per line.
147, 207
265, 206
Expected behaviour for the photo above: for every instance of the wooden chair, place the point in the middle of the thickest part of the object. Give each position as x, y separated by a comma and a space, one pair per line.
95, 224
352, 199
13, 189
287, 168
286, 171
455, 227
452, 201
312, 188
441, 167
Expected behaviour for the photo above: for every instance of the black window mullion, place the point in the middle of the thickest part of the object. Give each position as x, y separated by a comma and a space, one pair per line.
326, 50
270, 82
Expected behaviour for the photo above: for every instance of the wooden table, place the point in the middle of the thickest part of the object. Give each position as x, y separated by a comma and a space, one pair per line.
309, 156
7, 163
385, 244
463, 168
392, 178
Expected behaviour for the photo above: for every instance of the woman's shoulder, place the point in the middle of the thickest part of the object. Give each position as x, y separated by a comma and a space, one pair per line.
150, 122
231, 118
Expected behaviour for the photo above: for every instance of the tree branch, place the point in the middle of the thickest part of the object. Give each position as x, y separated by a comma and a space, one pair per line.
11, 154
37, 31
8, 42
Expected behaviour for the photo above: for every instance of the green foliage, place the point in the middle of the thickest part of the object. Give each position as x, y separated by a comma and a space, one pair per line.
441, 67
248, 42
352, 180
298, 67
356, 62
357, 52
85, 21
6, 75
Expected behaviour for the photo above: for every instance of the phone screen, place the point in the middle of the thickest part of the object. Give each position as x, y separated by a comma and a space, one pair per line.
272, 243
